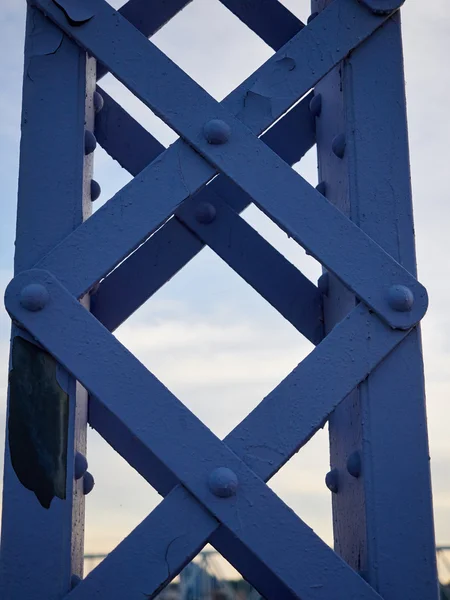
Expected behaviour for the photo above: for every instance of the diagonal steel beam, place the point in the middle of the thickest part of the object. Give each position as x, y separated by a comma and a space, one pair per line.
269, 19
148, 17
260, 17
162, 423
313, 222
125, 289
258, 263
134, 148
123, 138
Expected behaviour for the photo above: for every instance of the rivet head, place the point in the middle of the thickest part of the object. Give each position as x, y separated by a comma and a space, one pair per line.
354, 464
323, 283
315, 105
74, 581
223, 482
382, 7
90, 142
98, 102
332, 480
88, 483
205, 213
322, 188
400, 298
34, 297
338, 145
81, 465
217, 131
96, 190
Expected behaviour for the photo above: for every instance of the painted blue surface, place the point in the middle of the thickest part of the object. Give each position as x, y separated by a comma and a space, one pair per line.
125, 290
188, 449
384, 421
365, 375
41, 549
135, 61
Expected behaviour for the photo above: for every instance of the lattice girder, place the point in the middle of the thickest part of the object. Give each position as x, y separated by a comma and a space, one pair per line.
162, 439
358, 262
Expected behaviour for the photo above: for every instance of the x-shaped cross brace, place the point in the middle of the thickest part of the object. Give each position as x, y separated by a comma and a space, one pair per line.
172, 439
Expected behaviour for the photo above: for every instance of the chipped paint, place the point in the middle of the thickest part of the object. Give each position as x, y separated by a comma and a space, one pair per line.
38, 422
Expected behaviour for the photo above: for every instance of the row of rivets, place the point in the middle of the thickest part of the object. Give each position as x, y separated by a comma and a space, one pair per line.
353, 467
400, 298
90, 144
339, 142
81, 471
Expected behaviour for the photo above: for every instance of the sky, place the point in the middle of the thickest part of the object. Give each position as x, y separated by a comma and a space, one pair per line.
207, 335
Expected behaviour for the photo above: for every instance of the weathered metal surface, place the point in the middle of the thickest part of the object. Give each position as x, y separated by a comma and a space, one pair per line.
38, 422
41, 548
384, 422
360, 263
171, 247
215, 490
188, 449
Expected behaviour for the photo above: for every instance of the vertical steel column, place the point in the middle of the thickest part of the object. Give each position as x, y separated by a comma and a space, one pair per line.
42, 548
382, 510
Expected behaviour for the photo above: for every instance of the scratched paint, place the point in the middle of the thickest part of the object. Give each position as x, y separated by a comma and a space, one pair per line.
38, 422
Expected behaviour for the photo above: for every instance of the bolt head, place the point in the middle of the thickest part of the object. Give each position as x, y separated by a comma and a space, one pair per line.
322, 188
338, 145
332, 480
217, 132
205, 213
81, 465
354, 464
90, 142
382, 7
96, 190
223, 482
315, 105
400, 298
323, 283
88, 483
98, 102
74, 581
34, 297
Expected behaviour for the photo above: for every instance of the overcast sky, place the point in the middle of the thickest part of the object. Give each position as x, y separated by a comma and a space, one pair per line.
208, 336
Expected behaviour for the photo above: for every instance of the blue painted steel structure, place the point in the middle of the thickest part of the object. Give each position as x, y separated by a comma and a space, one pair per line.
365, 374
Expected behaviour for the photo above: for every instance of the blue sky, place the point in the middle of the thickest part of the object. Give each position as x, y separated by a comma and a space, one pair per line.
207, 335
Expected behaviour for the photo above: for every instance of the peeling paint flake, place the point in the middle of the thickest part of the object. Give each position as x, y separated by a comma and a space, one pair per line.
78, 12
38, 422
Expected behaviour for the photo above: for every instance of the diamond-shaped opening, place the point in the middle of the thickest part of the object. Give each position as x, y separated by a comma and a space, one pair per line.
120, 500
138, 110
214, 342
209, 577
288, 247
212, 46
300, 8
301, 485
109, 175
443, 563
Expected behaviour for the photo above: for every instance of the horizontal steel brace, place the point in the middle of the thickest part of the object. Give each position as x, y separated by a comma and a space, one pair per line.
304, 213
162, 423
